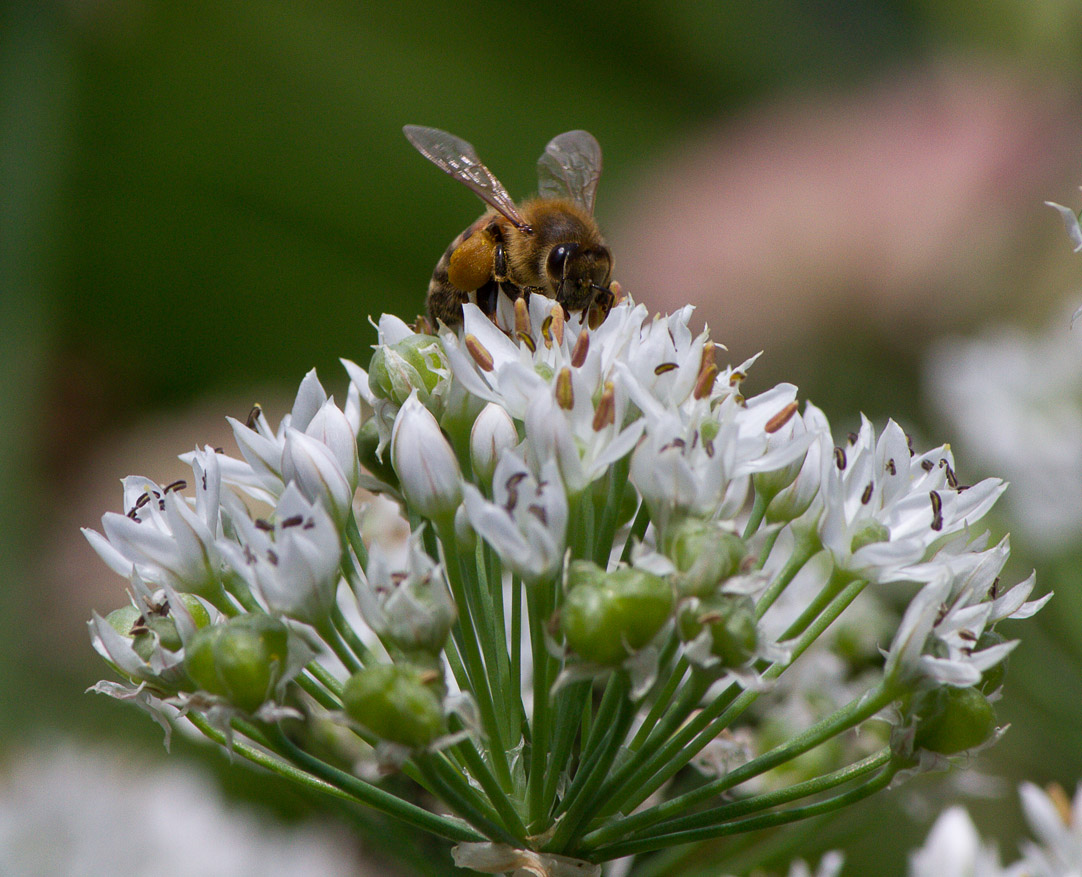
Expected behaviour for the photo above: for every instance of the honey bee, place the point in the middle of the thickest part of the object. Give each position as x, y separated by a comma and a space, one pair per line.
549, 245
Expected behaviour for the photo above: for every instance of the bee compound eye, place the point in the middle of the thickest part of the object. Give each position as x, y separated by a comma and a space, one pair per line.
558, 258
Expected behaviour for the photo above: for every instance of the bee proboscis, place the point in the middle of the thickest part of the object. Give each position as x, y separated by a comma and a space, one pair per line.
549, 245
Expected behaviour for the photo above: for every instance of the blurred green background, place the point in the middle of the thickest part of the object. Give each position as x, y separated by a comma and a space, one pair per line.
201, 201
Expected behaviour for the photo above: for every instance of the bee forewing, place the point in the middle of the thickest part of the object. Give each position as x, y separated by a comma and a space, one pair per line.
455, 156
570, 167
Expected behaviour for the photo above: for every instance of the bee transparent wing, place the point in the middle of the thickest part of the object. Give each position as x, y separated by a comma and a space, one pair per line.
570, 168
455, 156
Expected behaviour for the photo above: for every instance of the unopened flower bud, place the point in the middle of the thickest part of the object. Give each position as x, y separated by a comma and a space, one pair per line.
425, 463
605, 618
416, 363
492, 432
704, 555
312, 466
951, 720
241, 660
395, 702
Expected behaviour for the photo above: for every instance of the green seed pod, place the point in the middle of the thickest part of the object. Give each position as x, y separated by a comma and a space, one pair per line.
951, 720
607, 616
704, 555
734, 635
241, 660
396, 702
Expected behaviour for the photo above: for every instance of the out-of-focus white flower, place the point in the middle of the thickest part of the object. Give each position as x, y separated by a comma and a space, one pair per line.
96, 813
954, 849
1014, 401
1057, 823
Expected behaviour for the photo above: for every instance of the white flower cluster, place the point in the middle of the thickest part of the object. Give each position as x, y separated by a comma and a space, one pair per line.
652, 517
1013, 399
954, 847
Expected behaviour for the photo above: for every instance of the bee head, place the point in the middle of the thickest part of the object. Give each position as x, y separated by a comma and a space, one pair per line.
577, 272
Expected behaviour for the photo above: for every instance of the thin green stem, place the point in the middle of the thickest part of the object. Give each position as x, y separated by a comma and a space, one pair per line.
652, 752
757, 803
758, 509
849, 716
504, 807
470, 652
568, 721
661, 704
635, 534
329, 634
538, 608
318, 775
719, 714
802, 553
317, 692
584, 800
353, 536
454, 789
753, 823
614, 500
515, 682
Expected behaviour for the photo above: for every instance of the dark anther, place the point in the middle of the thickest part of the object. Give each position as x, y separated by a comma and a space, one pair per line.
891, 468
264, 525
665, 367
937, 511
253, 416
839, 458
539, 513
179, 484
294, 521
927, 465
866, 497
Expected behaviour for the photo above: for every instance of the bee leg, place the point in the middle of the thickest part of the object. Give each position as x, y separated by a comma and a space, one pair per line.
500, 280
486, 298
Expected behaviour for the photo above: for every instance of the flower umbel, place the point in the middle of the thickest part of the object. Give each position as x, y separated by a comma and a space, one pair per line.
615, 560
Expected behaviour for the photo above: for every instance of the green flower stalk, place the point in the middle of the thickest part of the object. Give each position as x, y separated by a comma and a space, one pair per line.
622, 571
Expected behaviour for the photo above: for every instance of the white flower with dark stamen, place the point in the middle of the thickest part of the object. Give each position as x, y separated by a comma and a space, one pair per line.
292, 562
884, 507
701, 463
526, 524
425, 463
938, 638
162, 537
